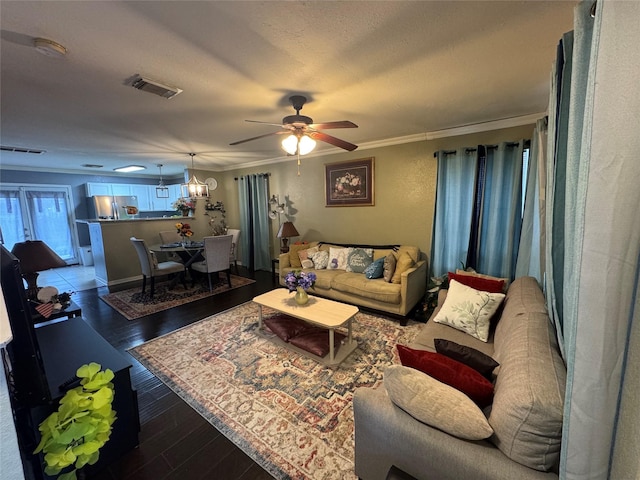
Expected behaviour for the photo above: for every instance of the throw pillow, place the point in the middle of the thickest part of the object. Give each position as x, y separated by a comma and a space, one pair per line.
469, 356
338, 258
436, 404
479, 283
404, 263
469, 310
359, 259
375, 269
389, 267
294, 258
489, 277
320, 259
305, 257
449, 371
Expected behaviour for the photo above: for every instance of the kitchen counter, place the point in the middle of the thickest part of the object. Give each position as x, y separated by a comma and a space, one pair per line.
115, 259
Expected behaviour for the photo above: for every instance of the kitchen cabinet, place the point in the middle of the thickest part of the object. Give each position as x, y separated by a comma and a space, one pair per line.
146, 194
98, 189
143, 194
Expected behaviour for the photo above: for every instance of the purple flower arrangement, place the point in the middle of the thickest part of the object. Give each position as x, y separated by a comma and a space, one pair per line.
296, 279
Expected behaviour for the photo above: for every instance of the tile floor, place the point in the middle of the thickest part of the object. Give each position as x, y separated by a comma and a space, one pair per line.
69, 279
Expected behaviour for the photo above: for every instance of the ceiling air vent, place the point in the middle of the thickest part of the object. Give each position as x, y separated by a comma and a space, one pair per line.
35, 151
157, 88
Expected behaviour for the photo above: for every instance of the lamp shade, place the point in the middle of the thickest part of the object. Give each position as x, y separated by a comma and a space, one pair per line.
287, 230
36, 256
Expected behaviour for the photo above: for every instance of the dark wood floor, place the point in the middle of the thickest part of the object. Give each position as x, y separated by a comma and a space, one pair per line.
175, 442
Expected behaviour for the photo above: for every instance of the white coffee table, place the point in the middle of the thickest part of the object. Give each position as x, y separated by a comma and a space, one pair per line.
319, 312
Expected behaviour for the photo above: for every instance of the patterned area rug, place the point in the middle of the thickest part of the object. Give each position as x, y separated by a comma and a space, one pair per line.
133, 304
290, 414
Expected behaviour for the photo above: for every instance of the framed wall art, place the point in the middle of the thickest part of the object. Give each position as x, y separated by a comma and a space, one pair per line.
349, 184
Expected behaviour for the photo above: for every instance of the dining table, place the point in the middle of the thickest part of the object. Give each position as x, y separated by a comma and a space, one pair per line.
189, 252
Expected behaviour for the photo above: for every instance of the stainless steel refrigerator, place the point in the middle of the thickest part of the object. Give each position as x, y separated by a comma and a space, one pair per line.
116, 207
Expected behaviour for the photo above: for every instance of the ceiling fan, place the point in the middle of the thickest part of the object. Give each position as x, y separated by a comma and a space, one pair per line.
299, 126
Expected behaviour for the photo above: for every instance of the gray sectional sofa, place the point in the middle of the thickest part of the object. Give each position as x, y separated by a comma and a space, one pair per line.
354, 288
526, 414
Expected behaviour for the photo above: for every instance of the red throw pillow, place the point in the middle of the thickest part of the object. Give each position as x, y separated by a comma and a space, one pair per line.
479, 283
449, 371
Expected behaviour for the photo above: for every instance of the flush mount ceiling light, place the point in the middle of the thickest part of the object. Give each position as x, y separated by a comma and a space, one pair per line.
49, 48
129, 168
194, 188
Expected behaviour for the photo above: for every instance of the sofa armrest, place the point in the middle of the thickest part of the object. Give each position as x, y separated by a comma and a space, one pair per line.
386, 435
284, 260
413, 285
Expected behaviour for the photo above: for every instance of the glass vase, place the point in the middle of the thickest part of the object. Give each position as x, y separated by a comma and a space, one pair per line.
301, 297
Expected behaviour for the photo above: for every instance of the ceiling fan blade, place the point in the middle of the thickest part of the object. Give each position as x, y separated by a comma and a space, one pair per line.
264, 123
328, 125
323, 137
259, 136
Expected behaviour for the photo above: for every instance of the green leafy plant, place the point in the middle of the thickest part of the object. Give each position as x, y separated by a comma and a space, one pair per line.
74, 435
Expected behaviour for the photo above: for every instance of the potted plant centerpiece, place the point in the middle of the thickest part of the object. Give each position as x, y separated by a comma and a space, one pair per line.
73, 436
299, 282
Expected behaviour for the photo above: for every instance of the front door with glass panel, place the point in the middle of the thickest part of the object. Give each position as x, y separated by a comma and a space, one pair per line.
39, 212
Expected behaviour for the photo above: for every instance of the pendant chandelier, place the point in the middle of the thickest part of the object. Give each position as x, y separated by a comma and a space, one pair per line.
162, 191
194, 188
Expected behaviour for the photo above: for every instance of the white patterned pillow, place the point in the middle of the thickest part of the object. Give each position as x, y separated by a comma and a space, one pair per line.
306, 257
320, 259
469, 310
338, 258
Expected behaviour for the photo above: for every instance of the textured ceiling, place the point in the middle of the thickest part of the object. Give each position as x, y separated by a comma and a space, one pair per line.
395, 68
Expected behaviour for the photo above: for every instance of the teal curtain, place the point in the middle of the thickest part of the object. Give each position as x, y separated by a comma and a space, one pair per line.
253, 201
501, 215
592, 243
454, 206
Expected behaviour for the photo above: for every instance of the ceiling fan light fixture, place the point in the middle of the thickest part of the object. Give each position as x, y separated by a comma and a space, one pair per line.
301, 144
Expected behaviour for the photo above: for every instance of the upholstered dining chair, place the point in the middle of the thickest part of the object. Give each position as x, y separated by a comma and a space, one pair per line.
234, 247
216, 257
151, 268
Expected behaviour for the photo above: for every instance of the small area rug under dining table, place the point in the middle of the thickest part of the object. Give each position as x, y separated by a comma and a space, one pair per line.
133, 304
290, 414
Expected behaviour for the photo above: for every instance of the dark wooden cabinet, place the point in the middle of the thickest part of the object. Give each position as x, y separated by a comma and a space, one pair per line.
69, 344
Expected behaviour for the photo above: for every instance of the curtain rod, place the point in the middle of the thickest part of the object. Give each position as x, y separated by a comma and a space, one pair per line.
267, 174
527, 143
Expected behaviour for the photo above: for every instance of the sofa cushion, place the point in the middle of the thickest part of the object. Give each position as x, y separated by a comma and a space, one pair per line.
324, 278
285, 327
320, 260
449, 371
389, 267
434, 403
527, 410
358, 284
338, 258
359, 259
469, 310
316, 340
471, 357
479, 283
403, 263
375, 269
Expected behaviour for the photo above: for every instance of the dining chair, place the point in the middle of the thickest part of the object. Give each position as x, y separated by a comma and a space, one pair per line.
152, 268
216, 257
234, 247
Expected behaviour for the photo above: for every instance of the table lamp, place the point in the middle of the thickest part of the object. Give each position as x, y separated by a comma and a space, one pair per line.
286, 230
35, 256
